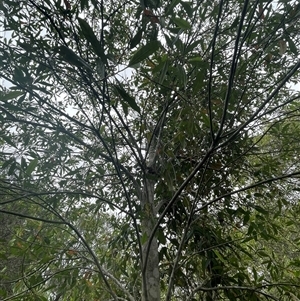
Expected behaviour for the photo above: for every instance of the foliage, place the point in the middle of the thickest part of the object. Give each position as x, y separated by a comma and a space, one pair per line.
151, 149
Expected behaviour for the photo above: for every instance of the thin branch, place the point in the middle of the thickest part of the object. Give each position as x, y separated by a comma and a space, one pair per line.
211, 69
183, 238
233, 67
33, 217
119, 284
37, 194
284, 80
270, 180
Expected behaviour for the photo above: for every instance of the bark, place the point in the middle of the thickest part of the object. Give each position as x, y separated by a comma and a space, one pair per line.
151, 287
151, 277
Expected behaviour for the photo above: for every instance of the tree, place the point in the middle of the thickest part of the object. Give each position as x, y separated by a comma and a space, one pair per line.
151, 148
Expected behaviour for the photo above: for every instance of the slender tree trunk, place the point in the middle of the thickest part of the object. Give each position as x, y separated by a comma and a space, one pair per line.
151, 290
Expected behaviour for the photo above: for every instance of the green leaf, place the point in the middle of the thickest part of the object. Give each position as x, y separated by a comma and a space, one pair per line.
31, 166
263, 254
136, 39
192, 46
195, 59
71, 57
151, 3
23, 163
83, 4
181, 76
127, 98
9, 141
144, 52
161, 237
235, 22
292, 46
91, 37
163, 72
7, 163
171, 6
261, 210
12, 168
187, 7
11, 95
18, 75
182, 23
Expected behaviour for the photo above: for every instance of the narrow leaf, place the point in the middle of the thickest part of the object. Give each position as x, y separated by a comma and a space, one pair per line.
31, 166
7, 163
8, 141
136, 39
182, 23
292, 46
91, 37
196, 59
127, 98
11, 95
71, 57
161, 237
181, 75
83, 4
144, 52
163, 72
171, 6
187, 7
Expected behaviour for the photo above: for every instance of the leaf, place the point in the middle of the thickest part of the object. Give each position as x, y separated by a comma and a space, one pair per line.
261, 210
235, 22
163, 72
7, 163
11, 95
161, 237
188, 8
23, 163
151, 3
196, 59
144, 52
9, 141
182, 23
31, 166
171, 6
136, 39
263, 254
18, 75
181, 75
192, 46
83, 4
292, 46
129, 99
71, 57
91, 37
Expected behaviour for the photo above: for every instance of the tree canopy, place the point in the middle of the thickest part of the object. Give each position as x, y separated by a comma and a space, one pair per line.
149, 150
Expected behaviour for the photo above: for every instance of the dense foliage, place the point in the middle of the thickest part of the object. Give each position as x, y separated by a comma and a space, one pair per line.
149, 150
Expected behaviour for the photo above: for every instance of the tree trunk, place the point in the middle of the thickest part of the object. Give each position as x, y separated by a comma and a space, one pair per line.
151, 284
